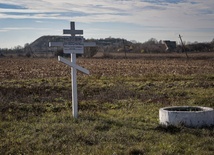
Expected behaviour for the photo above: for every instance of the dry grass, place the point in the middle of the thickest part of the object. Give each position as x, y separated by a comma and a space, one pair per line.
118, 105
146, 64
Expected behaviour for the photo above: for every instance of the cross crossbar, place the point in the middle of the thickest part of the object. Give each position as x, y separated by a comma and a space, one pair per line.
72, 32
71, 64
60, 44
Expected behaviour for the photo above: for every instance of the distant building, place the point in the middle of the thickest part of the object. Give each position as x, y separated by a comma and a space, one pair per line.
170, 45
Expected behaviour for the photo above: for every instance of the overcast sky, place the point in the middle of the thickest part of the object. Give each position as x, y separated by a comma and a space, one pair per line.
23, 21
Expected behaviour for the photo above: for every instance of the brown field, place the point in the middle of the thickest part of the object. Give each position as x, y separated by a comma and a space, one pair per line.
134, 65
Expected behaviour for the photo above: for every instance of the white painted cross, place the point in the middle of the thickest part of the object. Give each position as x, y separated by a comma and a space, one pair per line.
73, 45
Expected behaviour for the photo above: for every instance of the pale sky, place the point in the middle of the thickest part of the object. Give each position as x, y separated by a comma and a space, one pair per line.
23, 21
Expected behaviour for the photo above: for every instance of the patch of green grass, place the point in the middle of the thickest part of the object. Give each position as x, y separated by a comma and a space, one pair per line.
117, 115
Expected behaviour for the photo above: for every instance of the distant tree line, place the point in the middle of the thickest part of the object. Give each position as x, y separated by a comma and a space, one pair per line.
155, 46
110, 44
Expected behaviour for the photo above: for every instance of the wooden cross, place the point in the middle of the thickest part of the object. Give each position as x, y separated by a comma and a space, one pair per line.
73, 45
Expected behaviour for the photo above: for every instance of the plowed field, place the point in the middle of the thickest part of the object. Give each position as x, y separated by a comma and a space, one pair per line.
27, 68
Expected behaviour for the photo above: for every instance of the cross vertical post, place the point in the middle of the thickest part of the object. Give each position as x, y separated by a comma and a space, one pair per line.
74, 80
73, 76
